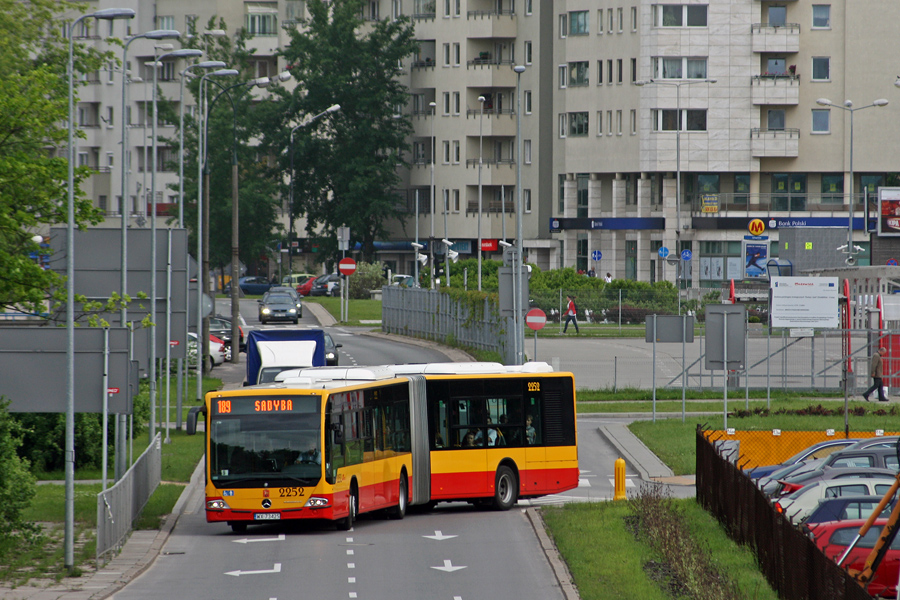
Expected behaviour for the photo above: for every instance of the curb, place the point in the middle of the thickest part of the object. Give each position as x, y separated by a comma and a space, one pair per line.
635, 452
560, 569
453, 354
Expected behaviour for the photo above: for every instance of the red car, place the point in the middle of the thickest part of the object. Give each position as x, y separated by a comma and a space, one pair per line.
304, 288
834, 537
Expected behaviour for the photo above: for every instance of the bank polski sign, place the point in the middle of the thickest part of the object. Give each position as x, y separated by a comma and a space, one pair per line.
805, 302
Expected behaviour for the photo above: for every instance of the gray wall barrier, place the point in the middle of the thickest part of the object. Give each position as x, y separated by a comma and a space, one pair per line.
120, 505
433, 315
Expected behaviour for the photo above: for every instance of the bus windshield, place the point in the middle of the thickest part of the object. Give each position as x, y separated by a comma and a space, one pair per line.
258, 439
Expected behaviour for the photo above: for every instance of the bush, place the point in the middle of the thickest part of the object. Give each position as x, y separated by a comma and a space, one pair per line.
17, 484
368, 276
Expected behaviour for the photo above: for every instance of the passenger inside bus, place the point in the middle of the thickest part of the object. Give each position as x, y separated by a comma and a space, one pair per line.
530, 433
469, 441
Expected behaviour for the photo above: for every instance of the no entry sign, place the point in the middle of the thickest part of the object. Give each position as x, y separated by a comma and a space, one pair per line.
535, 319
347, 266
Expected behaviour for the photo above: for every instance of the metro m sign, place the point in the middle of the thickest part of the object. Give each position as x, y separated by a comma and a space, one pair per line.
756, 227
489, 245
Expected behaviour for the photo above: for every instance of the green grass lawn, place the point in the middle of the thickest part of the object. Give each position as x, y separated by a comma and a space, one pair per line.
357, 310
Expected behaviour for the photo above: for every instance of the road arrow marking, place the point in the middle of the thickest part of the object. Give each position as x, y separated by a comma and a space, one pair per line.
448, 567
438, 536
275, 569
280, 538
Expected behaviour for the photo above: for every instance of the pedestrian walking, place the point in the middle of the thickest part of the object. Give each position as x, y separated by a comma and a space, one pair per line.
876, 370
571, 312
608, 278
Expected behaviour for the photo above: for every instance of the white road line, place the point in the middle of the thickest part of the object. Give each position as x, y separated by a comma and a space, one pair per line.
350, 552
584, 483
351, 565
629, 483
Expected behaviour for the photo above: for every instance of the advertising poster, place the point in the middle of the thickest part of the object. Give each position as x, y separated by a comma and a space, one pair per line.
734, 267
756, 255
889, 212
704, 268
717, 267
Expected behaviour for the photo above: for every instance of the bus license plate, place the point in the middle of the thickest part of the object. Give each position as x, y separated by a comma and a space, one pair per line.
266, 516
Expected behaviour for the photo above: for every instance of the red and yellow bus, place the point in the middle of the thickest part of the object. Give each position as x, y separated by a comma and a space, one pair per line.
331, 443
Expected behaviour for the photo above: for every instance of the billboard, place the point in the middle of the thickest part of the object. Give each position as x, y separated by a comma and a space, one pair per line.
755, 250
804, 302
889, 212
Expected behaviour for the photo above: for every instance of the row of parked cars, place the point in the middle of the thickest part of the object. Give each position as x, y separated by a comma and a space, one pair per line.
304, 284
830, 489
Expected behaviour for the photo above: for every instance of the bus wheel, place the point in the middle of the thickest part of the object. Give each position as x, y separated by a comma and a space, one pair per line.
238, 527
346, 523
399, 511
505, 488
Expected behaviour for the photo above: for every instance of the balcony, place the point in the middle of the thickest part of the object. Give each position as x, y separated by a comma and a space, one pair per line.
775, 89
489, 24
775, 143
784, 38
487, 72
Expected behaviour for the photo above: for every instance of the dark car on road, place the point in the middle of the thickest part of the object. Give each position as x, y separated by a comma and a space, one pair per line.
278, 307
253, 285
326, 285
220, 326
280, 289
331, 354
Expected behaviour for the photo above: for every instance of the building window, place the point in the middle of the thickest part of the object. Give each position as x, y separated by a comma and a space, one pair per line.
775, 119
563, 76
631, 259
110, 113
445, 196
821, 68
455, 152
621, 17
446, 152
679, 67
578, 124
561, 190
619, 70
562, 125
447, 8
563, 25
633, 18
832, 188
582, 182
446, 55
691, 120
581, 253
456, 55
821, 16
529, 7
680, 15
599, 123
618, 122
527, 102
633, 121
456, 201
578, 73
446, 103
526, 149
609, 123
167, 22
600, 72
633, 70
528, 53
261, 18
456, 8
609, 70
742, 189
821, 120
526, 200
456, 103
609, 20
578, 22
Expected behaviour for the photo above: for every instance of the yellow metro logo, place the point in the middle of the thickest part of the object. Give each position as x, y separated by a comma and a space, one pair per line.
756, 227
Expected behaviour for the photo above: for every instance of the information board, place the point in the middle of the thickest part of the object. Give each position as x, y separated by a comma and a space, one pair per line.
804, 302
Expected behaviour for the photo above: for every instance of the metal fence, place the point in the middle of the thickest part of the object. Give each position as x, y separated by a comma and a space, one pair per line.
433, 315
791, 562
120, 505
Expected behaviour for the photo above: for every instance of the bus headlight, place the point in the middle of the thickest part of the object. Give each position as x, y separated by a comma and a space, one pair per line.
315, 502
218, 504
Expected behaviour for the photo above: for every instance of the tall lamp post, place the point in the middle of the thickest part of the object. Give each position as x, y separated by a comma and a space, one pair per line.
330, 109
519, 301
202, 271
69, 541
851, 250
183, 53
481, 99
431, 187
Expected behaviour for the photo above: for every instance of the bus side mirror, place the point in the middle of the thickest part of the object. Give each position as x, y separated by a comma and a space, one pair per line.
191, 424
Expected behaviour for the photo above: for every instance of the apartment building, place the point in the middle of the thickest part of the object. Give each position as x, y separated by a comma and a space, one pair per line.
618, 102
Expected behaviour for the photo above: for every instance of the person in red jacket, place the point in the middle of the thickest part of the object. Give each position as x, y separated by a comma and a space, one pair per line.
571, 311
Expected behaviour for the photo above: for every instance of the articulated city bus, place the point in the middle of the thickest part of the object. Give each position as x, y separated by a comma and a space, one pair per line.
331, 443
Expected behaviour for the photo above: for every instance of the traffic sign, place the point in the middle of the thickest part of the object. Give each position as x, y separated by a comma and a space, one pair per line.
596, 255
686, 255
663, 252
892, 262
535, 319
347, 266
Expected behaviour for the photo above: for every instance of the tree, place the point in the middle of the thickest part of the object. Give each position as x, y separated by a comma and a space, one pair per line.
33, 118
345, 165
257, 191
17, 484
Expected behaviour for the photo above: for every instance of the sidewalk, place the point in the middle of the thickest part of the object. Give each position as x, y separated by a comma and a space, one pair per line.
142, 547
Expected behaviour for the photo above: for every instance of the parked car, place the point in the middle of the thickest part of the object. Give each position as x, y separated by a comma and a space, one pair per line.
326, 285
278, 307
220, 327
280, 289
798, 505
252, 285
819, 450
304, 288
870, 457
405, 281
295, 279
845, 508
792, 484
834, 537
887, 441
331, 353
216, 350
771, 484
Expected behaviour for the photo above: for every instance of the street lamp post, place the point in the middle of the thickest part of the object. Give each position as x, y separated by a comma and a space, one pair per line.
481, 99
518, 301
330, 109
851, 250
183, 53
202, 271
69, 540
431, 237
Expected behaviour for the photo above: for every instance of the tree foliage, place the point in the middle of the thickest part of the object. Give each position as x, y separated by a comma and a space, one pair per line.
229, 134
17, 484
344, 165
33, 120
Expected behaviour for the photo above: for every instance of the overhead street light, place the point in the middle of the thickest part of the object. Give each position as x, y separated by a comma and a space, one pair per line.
518, 300
481, 100
433, 200
850, 249
69, 538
